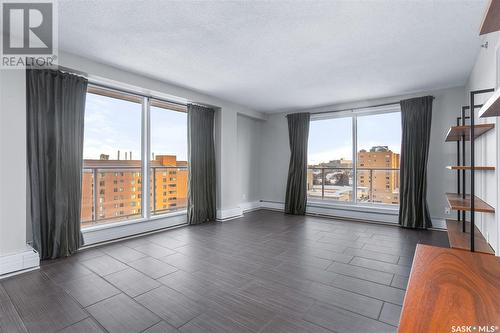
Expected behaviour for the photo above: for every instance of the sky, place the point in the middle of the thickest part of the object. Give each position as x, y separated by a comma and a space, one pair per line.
113, 124
331, 139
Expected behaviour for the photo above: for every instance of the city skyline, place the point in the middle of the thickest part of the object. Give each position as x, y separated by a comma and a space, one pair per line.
112, 189
377, 178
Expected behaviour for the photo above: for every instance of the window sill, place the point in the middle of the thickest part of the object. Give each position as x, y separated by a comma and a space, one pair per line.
368, 208
112, 231
131, 222
368, 213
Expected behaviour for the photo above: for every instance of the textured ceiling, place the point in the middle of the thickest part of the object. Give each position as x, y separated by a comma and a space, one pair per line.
281, 55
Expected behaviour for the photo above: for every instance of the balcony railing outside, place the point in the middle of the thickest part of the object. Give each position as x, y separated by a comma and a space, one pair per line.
374, 185
168, 189
113, 194
330, 183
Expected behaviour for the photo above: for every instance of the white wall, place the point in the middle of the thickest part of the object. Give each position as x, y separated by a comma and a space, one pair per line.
12, 162
275, 157
248, 159
446, 107
484, 75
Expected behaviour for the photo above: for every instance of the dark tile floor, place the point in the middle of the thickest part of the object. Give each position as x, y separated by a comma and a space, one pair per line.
265, 272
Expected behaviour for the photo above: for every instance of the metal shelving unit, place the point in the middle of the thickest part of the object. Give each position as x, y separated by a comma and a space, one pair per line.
461, 201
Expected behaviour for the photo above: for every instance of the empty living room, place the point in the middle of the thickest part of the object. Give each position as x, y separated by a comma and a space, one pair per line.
287, 166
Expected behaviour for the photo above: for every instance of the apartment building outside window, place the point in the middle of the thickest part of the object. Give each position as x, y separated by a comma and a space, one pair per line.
354, 157
114, 154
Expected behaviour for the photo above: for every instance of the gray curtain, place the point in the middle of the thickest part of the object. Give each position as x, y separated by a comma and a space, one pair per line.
55, 109
201, 155
416, 116
296, 186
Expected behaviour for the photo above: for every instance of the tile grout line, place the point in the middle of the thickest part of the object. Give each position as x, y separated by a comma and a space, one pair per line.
147, 328
14, 306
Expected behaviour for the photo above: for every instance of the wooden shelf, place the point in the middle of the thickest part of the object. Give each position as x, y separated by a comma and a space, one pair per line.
450, 288
455, 133
491, 21
468, 167
456, 202
492, 107
461, 240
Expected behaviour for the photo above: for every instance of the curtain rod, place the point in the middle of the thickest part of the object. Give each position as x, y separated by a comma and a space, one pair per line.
131, 92
72, 71
349, 109
354, 108
93, 82
364, 107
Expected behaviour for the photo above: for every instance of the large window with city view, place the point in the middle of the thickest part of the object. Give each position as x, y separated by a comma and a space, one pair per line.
355, 158
114, 167
169, 174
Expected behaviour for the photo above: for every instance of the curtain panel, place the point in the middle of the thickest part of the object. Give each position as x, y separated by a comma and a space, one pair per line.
416, 117
55, 119
296, 186
201, 159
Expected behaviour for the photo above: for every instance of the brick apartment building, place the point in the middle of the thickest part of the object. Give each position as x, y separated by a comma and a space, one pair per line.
384, 183
119, 188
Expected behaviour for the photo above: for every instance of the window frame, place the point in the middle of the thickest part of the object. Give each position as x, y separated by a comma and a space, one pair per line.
354, 114
146, 102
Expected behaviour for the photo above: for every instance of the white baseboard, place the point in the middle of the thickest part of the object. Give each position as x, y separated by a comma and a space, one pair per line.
438, 223
229, 214
19, 262
249, 206
272, 205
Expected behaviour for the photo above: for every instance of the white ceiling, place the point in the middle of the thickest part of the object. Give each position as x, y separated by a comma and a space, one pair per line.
281, 55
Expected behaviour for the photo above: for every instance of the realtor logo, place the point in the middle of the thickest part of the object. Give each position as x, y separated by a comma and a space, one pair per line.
28, 34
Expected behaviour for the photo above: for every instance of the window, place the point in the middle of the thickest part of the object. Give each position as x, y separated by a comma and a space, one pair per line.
112, 135
360, 148
379, 134
114, 152
169, 153
330, 173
